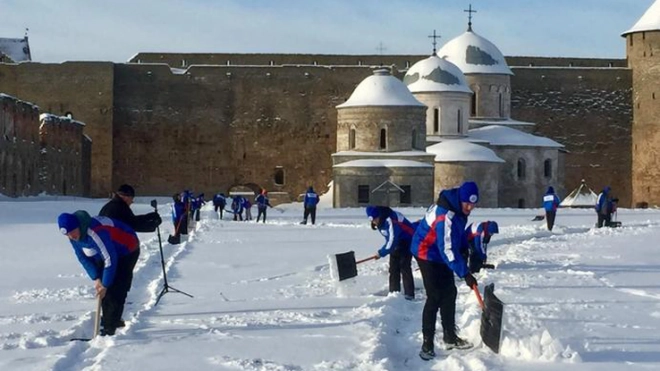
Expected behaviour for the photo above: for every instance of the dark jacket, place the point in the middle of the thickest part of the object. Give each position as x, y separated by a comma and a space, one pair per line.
118, 209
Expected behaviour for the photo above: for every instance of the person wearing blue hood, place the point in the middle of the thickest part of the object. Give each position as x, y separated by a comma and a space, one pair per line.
437, 245
603, 207
310, 202
398, 232
550, 204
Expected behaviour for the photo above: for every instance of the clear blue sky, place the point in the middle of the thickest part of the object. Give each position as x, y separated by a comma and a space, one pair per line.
115, 30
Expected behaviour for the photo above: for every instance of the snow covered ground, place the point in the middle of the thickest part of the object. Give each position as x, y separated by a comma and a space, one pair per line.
578, 298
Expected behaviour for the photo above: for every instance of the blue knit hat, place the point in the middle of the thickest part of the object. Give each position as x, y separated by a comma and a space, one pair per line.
469, 192
373, 212
67, 222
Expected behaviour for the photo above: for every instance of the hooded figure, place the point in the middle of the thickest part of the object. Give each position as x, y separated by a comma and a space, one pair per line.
603, 208
550, 204
437, 245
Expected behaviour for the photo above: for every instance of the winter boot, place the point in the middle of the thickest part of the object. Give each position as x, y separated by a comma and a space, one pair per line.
427, 353
452, 341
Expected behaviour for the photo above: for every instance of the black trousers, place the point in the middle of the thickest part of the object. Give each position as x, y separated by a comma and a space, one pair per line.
309, 211
115, 297
604, 219
220, 209
550, 218
238, 215
440, 295
261, 211
401, 270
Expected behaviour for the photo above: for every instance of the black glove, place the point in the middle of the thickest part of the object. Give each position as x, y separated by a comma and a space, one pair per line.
470, 280
154, 219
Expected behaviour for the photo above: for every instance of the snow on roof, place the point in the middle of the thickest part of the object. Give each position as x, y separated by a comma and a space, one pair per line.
582, 196
462, 150
383, 163
650, 21
499, 135
503, 122
380, 154
474, 54
435, 74
16, 49
381, 89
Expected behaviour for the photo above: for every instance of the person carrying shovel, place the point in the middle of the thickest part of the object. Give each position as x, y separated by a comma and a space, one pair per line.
398, 232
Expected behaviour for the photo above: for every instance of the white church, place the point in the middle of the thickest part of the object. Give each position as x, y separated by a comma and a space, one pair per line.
399, 143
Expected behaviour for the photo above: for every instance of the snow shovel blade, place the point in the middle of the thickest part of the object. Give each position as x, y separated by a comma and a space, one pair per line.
538, 217
491, 319
97, 322
614, 224
343, 265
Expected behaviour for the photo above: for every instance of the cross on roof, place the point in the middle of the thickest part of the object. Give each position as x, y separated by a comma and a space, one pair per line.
381, 48
434, 37
469, 11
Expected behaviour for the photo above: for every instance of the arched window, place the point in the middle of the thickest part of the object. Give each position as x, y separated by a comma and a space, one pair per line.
521, 168
351, 139
547, 168
414, 138
521, 203
501, 103
459, 119
436, 120
473, 106
278, 177
383, 138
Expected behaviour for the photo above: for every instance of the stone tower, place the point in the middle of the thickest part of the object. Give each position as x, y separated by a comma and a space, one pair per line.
380, 157
643, 52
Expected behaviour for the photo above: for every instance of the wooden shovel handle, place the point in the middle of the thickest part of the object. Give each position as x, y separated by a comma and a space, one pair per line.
475, 288
367, 259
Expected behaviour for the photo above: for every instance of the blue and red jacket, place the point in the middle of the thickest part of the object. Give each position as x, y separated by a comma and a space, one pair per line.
397, 230
102, 242
441, 235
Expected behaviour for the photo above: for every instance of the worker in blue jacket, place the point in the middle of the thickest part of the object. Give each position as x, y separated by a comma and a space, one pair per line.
311, 200
479, 235
263, 203
603, 206
437, 245
108, 250
219, 203
398, 232
237, 207
550, 204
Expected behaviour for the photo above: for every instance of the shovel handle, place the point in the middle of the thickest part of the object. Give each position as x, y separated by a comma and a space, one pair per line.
367, 259
479, 299
97, 317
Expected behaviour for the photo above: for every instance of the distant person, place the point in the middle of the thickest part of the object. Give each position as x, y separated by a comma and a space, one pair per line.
219, 203
398, 232
196, 204
603, 203
263, 203
108, 250
178, 216
550, 204
247, 206
478, 235
437, 245
237, 207
310, 202
119, 208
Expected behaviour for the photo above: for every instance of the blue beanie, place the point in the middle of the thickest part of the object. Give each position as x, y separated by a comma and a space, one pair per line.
373, 212
469, 192
551, 190
492, 227
67, 222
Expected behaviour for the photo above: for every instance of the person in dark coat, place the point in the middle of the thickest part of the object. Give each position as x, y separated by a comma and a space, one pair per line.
262, 204
550, 204
119, 208
237, 207
603, 206
398, 232
108, 250
310, 202
178, 215
437, 244
219, 203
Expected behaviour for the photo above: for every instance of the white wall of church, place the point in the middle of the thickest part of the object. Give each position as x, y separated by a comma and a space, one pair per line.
492, 94
453, 112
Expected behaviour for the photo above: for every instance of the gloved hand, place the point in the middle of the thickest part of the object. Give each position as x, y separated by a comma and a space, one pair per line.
470, 280
154, 218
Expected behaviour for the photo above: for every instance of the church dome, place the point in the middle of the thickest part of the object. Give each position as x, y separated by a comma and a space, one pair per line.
381, 89
435, 74
460, 150
650, 21
474, 54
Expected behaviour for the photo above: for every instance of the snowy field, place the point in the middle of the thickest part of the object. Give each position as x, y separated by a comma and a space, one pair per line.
576, 299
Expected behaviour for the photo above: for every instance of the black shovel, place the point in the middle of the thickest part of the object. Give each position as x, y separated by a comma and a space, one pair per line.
491, 317
538, 217
97, 322
343, 266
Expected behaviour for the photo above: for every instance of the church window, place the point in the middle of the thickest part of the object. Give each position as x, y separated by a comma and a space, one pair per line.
521, 203
383, 139
436, 120
653, 95
363, 194
631, 39
351, 139
405, 197
501, 103
278, 177
547, 168
414, 138
473, 107
521, 168
459, 119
